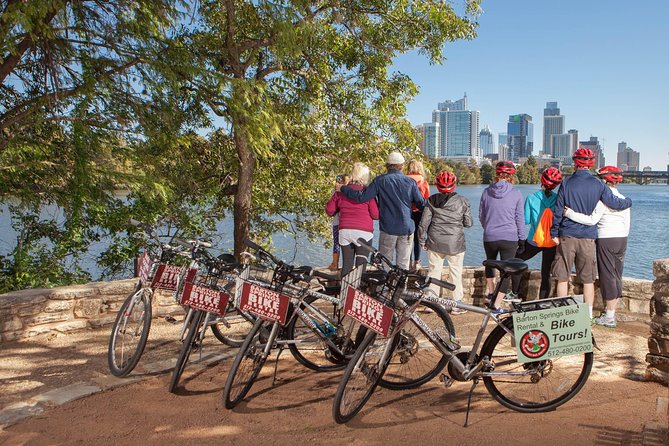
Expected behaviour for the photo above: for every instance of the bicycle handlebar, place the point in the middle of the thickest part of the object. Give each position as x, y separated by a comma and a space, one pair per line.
261, 250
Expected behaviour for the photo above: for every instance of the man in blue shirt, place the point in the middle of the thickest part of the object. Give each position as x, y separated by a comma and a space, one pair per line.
576, 242
395, 193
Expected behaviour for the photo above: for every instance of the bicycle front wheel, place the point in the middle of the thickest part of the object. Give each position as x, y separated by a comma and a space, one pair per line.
247, 365
537, 386
130, 332
232, 328
362, 375
416, 360
186, 348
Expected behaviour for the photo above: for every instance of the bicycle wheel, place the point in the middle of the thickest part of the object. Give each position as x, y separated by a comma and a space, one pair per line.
186, 347
232, 328
130, 332
361, 377
247, 365
416, 360
537, 386
309, 347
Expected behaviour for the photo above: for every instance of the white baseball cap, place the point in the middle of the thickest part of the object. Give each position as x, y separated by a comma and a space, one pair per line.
395, 158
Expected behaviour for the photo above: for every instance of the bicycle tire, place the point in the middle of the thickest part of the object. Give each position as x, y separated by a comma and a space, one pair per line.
416, 360
311, 349
186, 349
245, 368
564, 376
361, 377
130, 332
238, 326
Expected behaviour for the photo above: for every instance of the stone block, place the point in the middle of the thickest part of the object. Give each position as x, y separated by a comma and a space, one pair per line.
77, 324
55, 306
659, 362
638, 306
659, 328
72, 292
659, 307
102, 321
117, 287
661, 268
88, 308
11, 324
22, 298
163, 299
12, 335
658, 345
31, 310
165, 310
45, 318
656, 375
67, 393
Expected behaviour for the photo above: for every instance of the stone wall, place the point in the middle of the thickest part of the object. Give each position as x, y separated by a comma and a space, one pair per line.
658, 342
31, 312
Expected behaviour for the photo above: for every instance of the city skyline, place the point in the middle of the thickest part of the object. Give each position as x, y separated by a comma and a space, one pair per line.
613, 89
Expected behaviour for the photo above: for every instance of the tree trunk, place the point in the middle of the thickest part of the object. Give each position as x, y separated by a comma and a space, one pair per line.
243, 194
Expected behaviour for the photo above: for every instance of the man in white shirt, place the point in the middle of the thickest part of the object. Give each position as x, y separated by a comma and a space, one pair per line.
613, 227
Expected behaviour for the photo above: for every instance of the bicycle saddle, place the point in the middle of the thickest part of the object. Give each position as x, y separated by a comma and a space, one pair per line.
509, 266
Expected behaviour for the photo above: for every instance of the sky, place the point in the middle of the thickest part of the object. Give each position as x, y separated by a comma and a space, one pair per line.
605, 62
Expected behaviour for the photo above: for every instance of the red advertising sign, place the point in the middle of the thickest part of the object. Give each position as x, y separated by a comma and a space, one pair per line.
166, 277
203, 298
190, 275
369, 312
267, 304
145, 264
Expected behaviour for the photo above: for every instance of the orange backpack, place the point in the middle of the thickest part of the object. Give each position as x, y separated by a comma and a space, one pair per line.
542, 234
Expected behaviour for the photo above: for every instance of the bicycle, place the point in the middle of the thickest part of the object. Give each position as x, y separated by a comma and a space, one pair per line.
534, 386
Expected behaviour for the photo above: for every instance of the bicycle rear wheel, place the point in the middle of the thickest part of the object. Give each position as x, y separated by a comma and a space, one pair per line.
247, 365
416, 360
232, 328
537, 386
130, 332
309, 347
362, 376
186, 348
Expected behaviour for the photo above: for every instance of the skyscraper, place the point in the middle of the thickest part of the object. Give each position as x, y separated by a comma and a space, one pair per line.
553, 125
593, 144
486, 141
627, 158
432, 139
459, 105
520, 136
458, 129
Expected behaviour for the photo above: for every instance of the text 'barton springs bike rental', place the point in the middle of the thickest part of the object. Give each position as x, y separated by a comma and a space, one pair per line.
265, 303
368, 311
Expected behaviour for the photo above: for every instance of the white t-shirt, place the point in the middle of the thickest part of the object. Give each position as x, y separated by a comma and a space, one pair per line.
609, 223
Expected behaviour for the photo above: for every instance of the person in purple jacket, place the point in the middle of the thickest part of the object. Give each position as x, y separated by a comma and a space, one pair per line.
502, 217
355, 219
576, 242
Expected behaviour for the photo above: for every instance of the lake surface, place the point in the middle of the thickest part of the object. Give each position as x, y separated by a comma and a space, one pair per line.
648, 239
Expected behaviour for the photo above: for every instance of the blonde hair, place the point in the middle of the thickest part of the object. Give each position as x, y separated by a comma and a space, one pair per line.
416, 166
360, 173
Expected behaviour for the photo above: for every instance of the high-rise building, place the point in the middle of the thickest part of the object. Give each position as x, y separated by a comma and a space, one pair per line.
486, 141
458, 130
553, 125
593, 144
520, 136
627, 158
564, 146
459, 105
420, 135
428, 138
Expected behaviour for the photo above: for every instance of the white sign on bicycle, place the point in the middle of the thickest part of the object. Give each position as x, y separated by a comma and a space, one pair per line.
551, 333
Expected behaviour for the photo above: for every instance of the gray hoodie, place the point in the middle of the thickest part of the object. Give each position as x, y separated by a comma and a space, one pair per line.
441, 228
501, 213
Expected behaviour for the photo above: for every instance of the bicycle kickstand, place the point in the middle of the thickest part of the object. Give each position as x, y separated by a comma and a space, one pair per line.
469, 399
276, 365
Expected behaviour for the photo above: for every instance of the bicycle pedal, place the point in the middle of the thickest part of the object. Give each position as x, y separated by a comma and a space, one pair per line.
170, 319
446, 380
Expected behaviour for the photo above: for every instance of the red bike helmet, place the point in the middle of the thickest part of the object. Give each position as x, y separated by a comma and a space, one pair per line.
551, 177
445, 181
611, 174
583, 158
506, 167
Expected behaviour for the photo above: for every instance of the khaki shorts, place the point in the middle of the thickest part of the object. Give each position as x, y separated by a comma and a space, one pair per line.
579, 252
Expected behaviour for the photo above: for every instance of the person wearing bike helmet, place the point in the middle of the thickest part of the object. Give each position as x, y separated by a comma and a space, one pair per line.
502, 217
613, 227
535, 206
441, 233
576, 242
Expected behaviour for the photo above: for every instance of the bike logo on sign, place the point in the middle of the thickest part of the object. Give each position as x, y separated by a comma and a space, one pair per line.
534, 344
206, 299
167, 277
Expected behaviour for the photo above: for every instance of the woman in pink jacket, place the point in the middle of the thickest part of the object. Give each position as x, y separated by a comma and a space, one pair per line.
356, 220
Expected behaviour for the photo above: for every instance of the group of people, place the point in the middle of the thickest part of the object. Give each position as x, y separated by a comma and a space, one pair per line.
584, 224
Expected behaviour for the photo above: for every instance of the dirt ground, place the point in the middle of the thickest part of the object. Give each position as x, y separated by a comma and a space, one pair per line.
615, 406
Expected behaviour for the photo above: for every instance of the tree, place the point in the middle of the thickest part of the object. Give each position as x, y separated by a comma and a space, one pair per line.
487, 174
528, 173
307, 82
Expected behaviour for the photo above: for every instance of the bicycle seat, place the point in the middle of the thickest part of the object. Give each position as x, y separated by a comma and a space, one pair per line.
377, 277
509, 266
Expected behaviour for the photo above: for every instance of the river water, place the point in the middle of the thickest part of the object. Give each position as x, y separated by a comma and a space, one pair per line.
648, 239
